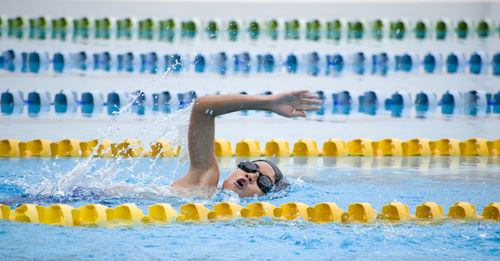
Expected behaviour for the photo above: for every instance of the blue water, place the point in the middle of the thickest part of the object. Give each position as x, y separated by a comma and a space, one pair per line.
345, 180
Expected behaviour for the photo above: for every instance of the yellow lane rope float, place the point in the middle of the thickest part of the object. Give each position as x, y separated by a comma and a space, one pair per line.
127, 214
248, 147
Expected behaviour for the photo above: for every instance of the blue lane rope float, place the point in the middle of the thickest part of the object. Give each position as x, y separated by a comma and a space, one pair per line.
312, 63
93, 215
39, 102
236, 30
248, 147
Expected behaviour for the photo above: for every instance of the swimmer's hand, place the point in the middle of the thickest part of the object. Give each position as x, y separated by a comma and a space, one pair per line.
294, 103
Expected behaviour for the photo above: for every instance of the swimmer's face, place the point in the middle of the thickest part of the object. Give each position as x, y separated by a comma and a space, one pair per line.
245, 183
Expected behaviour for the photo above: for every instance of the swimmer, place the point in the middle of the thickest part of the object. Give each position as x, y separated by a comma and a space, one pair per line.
250, 178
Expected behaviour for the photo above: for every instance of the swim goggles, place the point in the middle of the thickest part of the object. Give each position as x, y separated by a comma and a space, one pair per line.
263, 182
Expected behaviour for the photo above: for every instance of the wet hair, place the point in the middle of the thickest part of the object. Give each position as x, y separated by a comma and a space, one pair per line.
281, 182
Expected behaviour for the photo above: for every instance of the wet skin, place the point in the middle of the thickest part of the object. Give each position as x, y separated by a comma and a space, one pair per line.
203, 171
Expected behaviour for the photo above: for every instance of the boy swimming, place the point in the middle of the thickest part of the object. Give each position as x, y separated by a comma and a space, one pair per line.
250, 177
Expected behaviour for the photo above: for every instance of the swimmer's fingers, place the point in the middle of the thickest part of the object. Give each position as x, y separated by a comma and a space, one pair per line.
308, 95
305, 94
298, 114
310, 101
300, 92
308, 108
300, 111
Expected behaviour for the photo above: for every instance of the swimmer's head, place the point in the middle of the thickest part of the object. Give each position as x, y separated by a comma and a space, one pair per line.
258, 177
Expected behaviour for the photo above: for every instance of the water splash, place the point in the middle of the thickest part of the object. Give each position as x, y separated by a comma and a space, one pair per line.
119, 177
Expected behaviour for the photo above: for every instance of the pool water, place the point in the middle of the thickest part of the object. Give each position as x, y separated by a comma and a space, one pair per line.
112, 182
412, 98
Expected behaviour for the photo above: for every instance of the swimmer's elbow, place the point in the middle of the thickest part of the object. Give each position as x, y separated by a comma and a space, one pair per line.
203, 105
200, 103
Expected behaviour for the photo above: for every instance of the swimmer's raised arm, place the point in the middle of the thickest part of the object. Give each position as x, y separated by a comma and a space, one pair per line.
203, 170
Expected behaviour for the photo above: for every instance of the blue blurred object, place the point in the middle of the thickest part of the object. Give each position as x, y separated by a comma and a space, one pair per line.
115, 101
268, 63
292, 63
244, 62
92, 102
429, 63
199, 63
186, 98
173, 63
34, 62
359, 60
368, 103
338, 63
495, 64
11, 102
221, 63
404, 63
80, 60
65, 102
452, 63
149, 63
59, 63
313, 66
38, 102
138, 104
161, 101
476, 63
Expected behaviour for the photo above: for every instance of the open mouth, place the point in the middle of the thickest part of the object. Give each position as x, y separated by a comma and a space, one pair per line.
240, 183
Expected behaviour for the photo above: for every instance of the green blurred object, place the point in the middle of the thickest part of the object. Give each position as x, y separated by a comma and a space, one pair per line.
124, 28
233, 30
272, 29
81, 28
102, 28
483, 29
334, 30
212, 30
313, 30
357, 30
254, 30
462, 29
378, 29
292, 29
33, 28
15, 27
398, 30
59, 28
349, 29
42, 27
441, 30
146, 29
97, 26
420, 30
188, 29
167, 30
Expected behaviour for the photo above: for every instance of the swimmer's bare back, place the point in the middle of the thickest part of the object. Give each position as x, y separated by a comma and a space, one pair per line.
203, 172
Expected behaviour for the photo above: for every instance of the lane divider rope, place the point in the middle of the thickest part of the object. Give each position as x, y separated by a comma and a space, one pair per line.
248, 147
93, 215
371, 102
314, 63
170, 29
